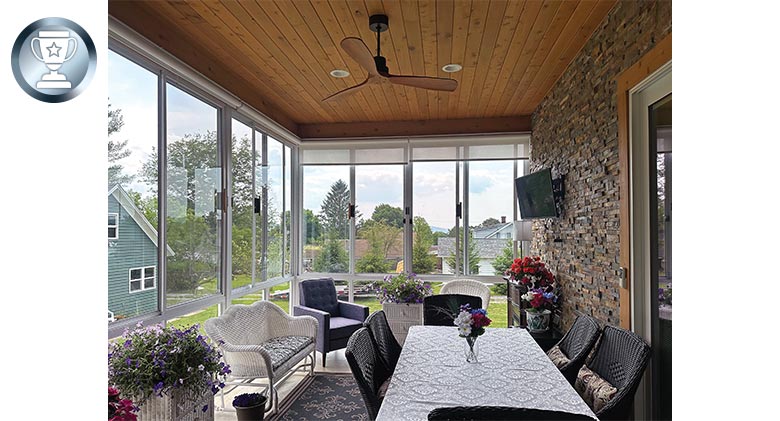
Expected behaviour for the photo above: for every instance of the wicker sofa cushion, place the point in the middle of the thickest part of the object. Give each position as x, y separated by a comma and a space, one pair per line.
282, 348
557, 356
595, 391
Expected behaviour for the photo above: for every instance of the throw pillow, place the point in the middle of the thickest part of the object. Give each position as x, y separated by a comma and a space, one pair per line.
557, 356
595, 391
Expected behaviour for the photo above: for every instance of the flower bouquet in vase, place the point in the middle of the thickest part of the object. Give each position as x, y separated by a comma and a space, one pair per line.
471, 324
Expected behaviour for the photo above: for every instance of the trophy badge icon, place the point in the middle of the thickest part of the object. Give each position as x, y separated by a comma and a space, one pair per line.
54, 47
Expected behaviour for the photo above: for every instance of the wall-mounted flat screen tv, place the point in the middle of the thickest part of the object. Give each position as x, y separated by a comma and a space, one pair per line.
535, 195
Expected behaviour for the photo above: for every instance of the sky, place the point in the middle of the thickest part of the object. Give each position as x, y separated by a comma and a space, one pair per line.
134, 90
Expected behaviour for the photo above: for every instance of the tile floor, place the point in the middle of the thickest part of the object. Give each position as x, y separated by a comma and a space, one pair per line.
336, 363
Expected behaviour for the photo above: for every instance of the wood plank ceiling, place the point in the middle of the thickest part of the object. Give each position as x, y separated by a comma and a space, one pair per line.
277, 55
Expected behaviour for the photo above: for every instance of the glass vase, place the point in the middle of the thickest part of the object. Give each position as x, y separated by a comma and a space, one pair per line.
471, 350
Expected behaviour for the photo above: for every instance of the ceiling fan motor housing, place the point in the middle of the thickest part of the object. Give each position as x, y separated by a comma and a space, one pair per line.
378, 23
381, 64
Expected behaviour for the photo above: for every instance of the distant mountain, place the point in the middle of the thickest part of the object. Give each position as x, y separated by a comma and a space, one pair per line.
439, 229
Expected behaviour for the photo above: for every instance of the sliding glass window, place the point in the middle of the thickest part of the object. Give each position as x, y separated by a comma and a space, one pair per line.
132, 191
326, 207
193, 188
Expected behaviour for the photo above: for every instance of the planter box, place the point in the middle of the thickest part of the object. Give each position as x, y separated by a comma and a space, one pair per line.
401, 317
175, 407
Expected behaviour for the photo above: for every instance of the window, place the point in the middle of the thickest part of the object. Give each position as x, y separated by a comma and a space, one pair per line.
142, 279
113, 226
326, 199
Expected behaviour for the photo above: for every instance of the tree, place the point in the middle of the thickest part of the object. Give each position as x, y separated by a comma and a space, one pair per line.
334, 210
389, 215
333, 257
488, 223
117, 149
381, 238
472, 251
504, 260
422, 259
313, 226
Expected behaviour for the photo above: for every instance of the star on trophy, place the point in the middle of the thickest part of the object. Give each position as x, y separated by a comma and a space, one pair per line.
53, 47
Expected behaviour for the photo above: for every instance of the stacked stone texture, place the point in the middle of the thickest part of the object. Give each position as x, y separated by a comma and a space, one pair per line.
575, 133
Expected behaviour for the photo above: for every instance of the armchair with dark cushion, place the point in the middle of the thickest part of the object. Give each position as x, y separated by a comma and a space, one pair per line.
337, 319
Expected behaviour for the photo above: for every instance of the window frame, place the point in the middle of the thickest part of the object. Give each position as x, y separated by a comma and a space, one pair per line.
115, 226
142, 279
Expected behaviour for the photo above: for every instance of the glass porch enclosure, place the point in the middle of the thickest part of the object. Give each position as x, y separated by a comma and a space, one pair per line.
216, 209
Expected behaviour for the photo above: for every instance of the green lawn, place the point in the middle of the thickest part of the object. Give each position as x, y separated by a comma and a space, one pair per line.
496, 310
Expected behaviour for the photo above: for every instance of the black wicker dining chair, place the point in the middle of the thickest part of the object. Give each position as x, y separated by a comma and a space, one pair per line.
620, 359
570, 352
370, 374
387, 346
442, 309
501, 413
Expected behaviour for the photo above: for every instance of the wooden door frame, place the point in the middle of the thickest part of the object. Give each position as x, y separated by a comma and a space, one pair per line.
626, 80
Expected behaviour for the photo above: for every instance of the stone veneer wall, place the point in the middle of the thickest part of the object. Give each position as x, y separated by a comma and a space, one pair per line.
575, 133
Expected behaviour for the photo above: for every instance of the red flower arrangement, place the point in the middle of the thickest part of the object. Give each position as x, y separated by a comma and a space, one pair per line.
120, 409
531, 272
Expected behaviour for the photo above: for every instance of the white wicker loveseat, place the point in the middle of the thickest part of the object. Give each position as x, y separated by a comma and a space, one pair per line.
261, 341
468, 287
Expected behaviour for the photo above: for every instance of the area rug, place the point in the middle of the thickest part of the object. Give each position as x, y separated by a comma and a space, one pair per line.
323, 397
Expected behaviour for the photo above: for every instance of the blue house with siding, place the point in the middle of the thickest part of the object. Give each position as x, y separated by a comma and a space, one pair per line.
132, 258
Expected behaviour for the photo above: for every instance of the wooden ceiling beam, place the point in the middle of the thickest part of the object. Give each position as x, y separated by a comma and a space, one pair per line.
518, 124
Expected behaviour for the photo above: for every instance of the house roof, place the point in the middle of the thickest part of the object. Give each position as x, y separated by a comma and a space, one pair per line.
492, 230
126, 202
487, 248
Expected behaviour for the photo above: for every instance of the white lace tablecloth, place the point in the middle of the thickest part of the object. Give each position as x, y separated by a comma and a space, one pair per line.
513, 370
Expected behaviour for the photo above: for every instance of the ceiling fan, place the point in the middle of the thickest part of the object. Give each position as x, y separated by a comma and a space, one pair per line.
377, 65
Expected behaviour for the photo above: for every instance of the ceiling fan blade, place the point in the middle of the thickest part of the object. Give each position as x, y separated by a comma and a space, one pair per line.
346, 92
359, 52
432, 83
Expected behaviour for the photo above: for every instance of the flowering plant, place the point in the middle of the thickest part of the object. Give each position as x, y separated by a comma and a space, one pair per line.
539, 299
665, 295
401, 288
120, 409
245, 400
471, 322
154, 360
531, 272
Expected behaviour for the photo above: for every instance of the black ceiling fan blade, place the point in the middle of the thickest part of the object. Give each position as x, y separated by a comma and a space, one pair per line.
424, 82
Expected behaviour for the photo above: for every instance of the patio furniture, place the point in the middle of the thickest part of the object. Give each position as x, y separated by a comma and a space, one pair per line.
387, 346
499, 413
262, 341
467, 287
337, 319
570, 352
371, 376
620, 359
513, 371
441, 309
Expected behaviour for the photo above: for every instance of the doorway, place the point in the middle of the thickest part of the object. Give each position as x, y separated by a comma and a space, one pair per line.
651, 237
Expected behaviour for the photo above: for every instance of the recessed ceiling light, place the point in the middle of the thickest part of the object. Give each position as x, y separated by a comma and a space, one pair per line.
339, 73
452, 68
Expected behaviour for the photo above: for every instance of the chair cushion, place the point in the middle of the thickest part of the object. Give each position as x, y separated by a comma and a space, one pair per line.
283, 348
595, 391
383, 388
320, 294
557, 356
342, 327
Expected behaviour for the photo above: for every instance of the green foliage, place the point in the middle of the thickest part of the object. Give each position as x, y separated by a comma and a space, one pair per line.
422, 259
333, 258
373, 262
489, 222
472, 251
313, 227
117, 150
499, 288
157, 360
388, 215
381, 239
193, 240
503, 261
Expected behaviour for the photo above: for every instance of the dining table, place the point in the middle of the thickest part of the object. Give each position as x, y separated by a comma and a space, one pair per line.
511, 370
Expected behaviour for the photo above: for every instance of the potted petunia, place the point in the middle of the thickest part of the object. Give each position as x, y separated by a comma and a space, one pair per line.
538, 310
401, 297
168, 372
250, 406
540, 296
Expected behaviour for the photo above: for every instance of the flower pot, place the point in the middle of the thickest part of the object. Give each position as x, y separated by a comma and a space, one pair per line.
538, 321
251, 413
176, 406
401, 317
